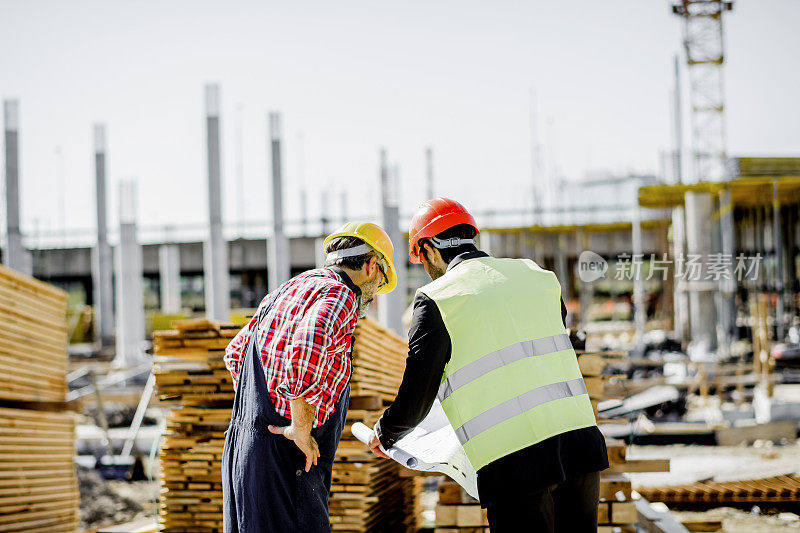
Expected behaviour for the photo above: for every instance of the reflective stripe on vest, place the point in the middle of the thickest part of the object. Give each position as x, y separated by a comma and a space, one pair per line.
503, 356
517, 406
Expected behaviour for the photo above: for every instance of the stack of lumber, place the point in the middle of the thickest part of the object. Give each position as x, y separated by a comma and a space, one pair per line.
190, 369
773, 489
370, 494
458, 512
616, 510
33, 339
367, 494
190, 374
379, 359
38, 481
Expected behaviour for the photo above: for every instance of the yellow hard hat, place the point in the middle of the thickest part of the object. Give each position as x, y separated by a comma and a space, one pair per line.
378, 240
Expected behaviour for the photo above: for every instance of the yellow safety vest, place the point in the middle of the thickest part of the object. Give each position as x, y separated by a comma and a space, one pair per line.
513, 378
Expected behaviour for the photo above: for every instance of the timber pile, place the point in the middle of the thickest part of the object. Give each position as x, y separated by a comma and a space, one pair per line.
772, 489
34, 331
616, 510
38, 481
370, 494
367, 494
458, 512
190, 373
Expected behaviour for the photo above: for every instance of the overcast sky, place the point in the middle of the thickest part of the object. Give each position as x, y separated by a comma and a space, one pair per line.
352, 76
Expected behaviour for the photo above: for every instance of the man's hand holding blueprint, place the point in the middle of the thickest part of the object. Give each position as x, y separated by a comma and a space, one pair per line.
431, 447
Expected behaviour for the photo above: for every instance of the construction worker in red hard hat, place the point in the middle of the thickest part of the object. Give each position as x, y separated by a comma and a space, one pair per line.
291, 368
488, 339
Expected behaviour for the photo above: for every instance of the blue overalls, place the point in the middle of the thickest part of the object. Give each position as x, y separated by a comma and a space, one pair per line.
265, 486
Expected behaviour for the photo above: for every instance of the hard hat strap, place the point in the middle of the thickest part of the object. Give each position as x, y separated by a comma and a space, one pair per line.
361, 249
453, 242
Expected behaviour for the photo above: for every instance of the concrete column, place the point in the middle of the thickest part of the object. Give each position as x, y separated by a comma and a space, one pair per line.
681, 298
561, 266
728, 283
343, 205
586, 289
699, 231
278, 244
215, 251
429, 172
130, 302
102, 259
639, 314
777, 247
16, 256
393, 305
169, 272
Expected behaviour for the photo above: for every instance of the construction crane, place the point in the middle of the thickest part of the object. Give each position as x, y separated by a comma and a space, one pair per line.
702, 39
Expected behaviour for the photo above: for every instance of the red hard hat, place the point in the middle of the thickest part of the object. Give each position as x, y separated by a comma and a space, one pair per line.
432, 218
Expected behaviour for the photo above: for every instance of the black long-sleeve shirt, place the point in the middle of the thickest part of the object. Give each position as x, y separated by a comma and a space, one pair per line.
516, 475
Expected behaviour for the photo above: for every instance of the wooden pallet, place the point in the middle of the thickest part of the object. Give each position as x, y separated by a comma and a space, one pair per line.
771, 489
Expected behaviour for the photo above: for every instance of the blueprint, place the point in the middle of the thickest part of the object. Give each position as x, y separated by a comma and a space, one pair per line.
431, 447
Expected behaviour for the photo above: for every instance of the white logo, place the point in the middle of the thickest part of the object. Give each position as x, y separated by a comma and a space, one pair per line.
591, 266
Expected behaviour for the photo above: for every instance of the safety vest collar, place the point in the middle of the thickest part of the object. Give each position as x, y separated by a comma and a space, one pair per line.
460, 258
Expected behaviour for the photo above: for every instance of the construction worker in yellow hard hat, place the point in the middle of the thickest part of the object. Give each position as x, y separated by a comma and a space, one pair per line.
291, 365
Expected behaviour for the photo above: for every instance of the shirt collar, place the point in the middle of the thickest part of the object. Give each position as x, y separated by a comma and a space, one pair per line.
460, 258
347, 281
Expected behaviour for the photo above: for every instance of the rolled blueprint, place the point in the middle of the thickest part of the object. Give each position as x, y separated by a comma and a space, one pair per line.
430, 447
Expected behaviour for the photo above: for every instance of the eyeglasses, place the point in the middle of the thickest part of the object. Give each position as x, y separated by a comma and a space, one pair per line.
382, 268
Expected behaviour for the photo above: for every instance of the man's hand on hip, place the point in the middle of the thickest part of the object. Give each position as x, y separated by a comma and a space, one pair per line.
300, 430
303, 440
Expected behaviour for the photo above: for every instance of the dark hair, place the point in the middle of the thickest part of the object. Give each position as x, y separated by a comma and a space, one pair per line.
353, 263
461, 231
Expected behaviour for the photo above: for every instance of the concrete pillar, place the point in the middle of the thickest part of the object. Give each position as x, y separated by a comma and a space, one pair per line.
699, 234
169, 272
343, 205
277, 244
16, 256
777, 247
130, 302
393, 305
727, 283
561, 266
324, 215
639, 313
586, 289
429, 172
102, 259
680, 296
215, 251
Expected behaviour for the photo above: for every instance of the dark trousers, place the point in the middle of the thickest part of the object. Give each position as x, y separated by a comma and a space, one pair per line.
568, 507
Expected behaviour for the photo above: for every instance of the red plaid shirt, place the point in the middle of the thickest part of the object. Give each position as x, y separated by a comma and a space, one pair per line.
305, 339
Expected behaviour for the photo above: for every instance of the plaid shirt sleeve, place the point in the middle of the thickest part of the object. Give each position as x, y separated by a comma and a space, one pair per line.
310, 359
234, 352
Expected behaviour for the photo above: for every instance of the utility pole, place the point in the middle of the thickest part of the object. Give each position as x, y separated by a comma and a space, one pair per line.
16, 256
103, 263
278, 249
215, 251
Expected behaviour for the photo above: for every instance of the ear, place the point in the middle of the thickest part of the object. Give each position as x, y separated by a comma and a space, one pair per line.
371, 265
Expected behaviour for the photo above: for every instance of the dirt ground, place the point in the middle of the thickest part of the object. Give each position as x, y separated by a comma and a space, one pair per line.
106, 503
